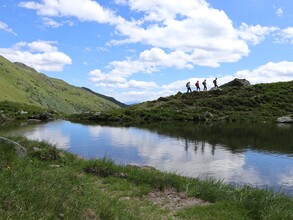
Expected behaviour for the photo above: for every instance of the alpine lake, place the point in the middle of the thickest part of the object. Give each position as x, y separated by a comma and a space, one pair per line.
259, 155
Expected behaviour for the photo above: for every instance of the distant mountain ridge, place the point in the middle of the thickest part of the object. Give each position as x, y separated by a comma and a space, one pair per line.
20, 83
111, 99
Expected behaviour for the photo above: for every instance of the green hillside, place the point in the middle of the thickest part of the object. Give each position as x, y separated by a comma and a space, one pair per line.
22, 84
253, 103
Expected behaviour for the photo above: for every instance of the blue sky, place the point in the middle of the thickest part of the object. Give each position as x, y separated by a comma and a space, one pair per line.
138, 50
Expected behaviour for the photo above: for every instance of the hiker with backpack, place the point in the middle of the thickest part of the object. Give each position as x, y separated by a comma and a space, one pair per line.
197, 86
204, 83
188, 87
215, 83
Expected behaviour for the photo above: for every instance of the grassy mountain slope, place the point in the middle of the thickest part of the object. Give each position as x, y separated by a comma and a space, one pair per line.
22, 84
258, 103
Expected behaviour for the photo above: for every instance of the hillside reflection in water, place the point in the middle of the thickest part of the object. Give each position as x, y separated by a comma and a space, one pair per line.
259, 155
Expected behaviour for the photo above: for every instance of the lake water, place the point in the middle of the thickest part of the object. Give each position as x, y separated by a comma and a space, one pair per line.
258, 155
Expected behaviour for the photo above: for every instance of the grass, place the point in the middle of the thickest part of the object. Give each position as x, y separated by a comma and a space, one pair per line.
21, 111
258, 103
52, 184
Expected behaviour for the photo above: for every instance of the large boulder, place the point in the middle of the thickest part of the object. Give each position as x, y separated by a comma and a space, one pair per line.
236, 82
284, 119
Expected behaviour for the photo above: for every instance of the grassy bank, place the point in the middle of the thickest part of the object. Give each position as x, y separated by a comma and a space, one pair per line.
10, 111
258, 103
51, 184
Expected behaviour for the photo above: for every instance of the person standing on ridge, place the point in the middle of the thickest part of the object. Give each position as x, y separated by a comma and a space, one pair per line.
204, 83
188, 87
215, 83
197, 86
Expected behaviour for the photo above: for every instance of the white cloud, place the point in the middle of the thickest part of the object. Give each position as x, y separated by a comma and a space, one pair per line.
51, 23
254, 34
84, 10
5, 27
118, 81
270, 72
157, 57
279, 12
189, 26
149, 61
41, 55
285, 35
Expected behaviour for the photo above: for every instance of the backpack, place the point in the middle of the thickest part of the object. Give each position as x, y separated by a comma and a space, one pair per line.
214, 81
186, 84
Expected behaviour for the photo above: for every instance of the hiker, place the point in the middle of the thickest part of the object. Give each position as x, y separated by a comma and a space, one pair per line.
188, 87
204, 83
197, 86
215, 83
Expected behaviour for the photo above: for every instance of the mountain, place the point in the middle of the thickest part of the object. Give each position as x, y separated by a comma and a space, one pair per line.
233, 102
24, 85
111, 99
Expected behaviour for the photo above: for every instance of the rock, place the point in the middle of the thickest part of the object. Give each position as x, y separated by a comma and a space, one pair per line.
3, 117
208, 115
36, 149
143, 167
45, 116
55, 166
33, 120
237, 82
215, 89
284, 119
20, 150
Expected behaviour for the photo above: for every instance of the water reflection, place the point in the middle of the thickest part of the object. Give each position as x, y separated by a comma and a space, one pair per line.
257, 155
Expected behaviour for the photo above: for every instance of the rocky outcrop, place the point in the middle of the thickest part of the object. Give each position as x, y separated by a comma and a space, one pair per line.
284, 119
45, 116
236, 82
21, 151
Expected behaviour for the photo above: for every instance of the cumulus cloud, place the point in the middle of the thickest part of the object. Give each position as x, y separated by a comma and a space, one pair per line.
51, 23
41, 55
5, 27
191, 27
149, 61
84, 10
254, 34
118, 81
270, 72
285, 35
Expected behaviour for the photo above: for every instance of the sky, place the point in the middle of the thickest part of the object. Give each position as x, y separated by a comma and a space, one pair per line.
140, 50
